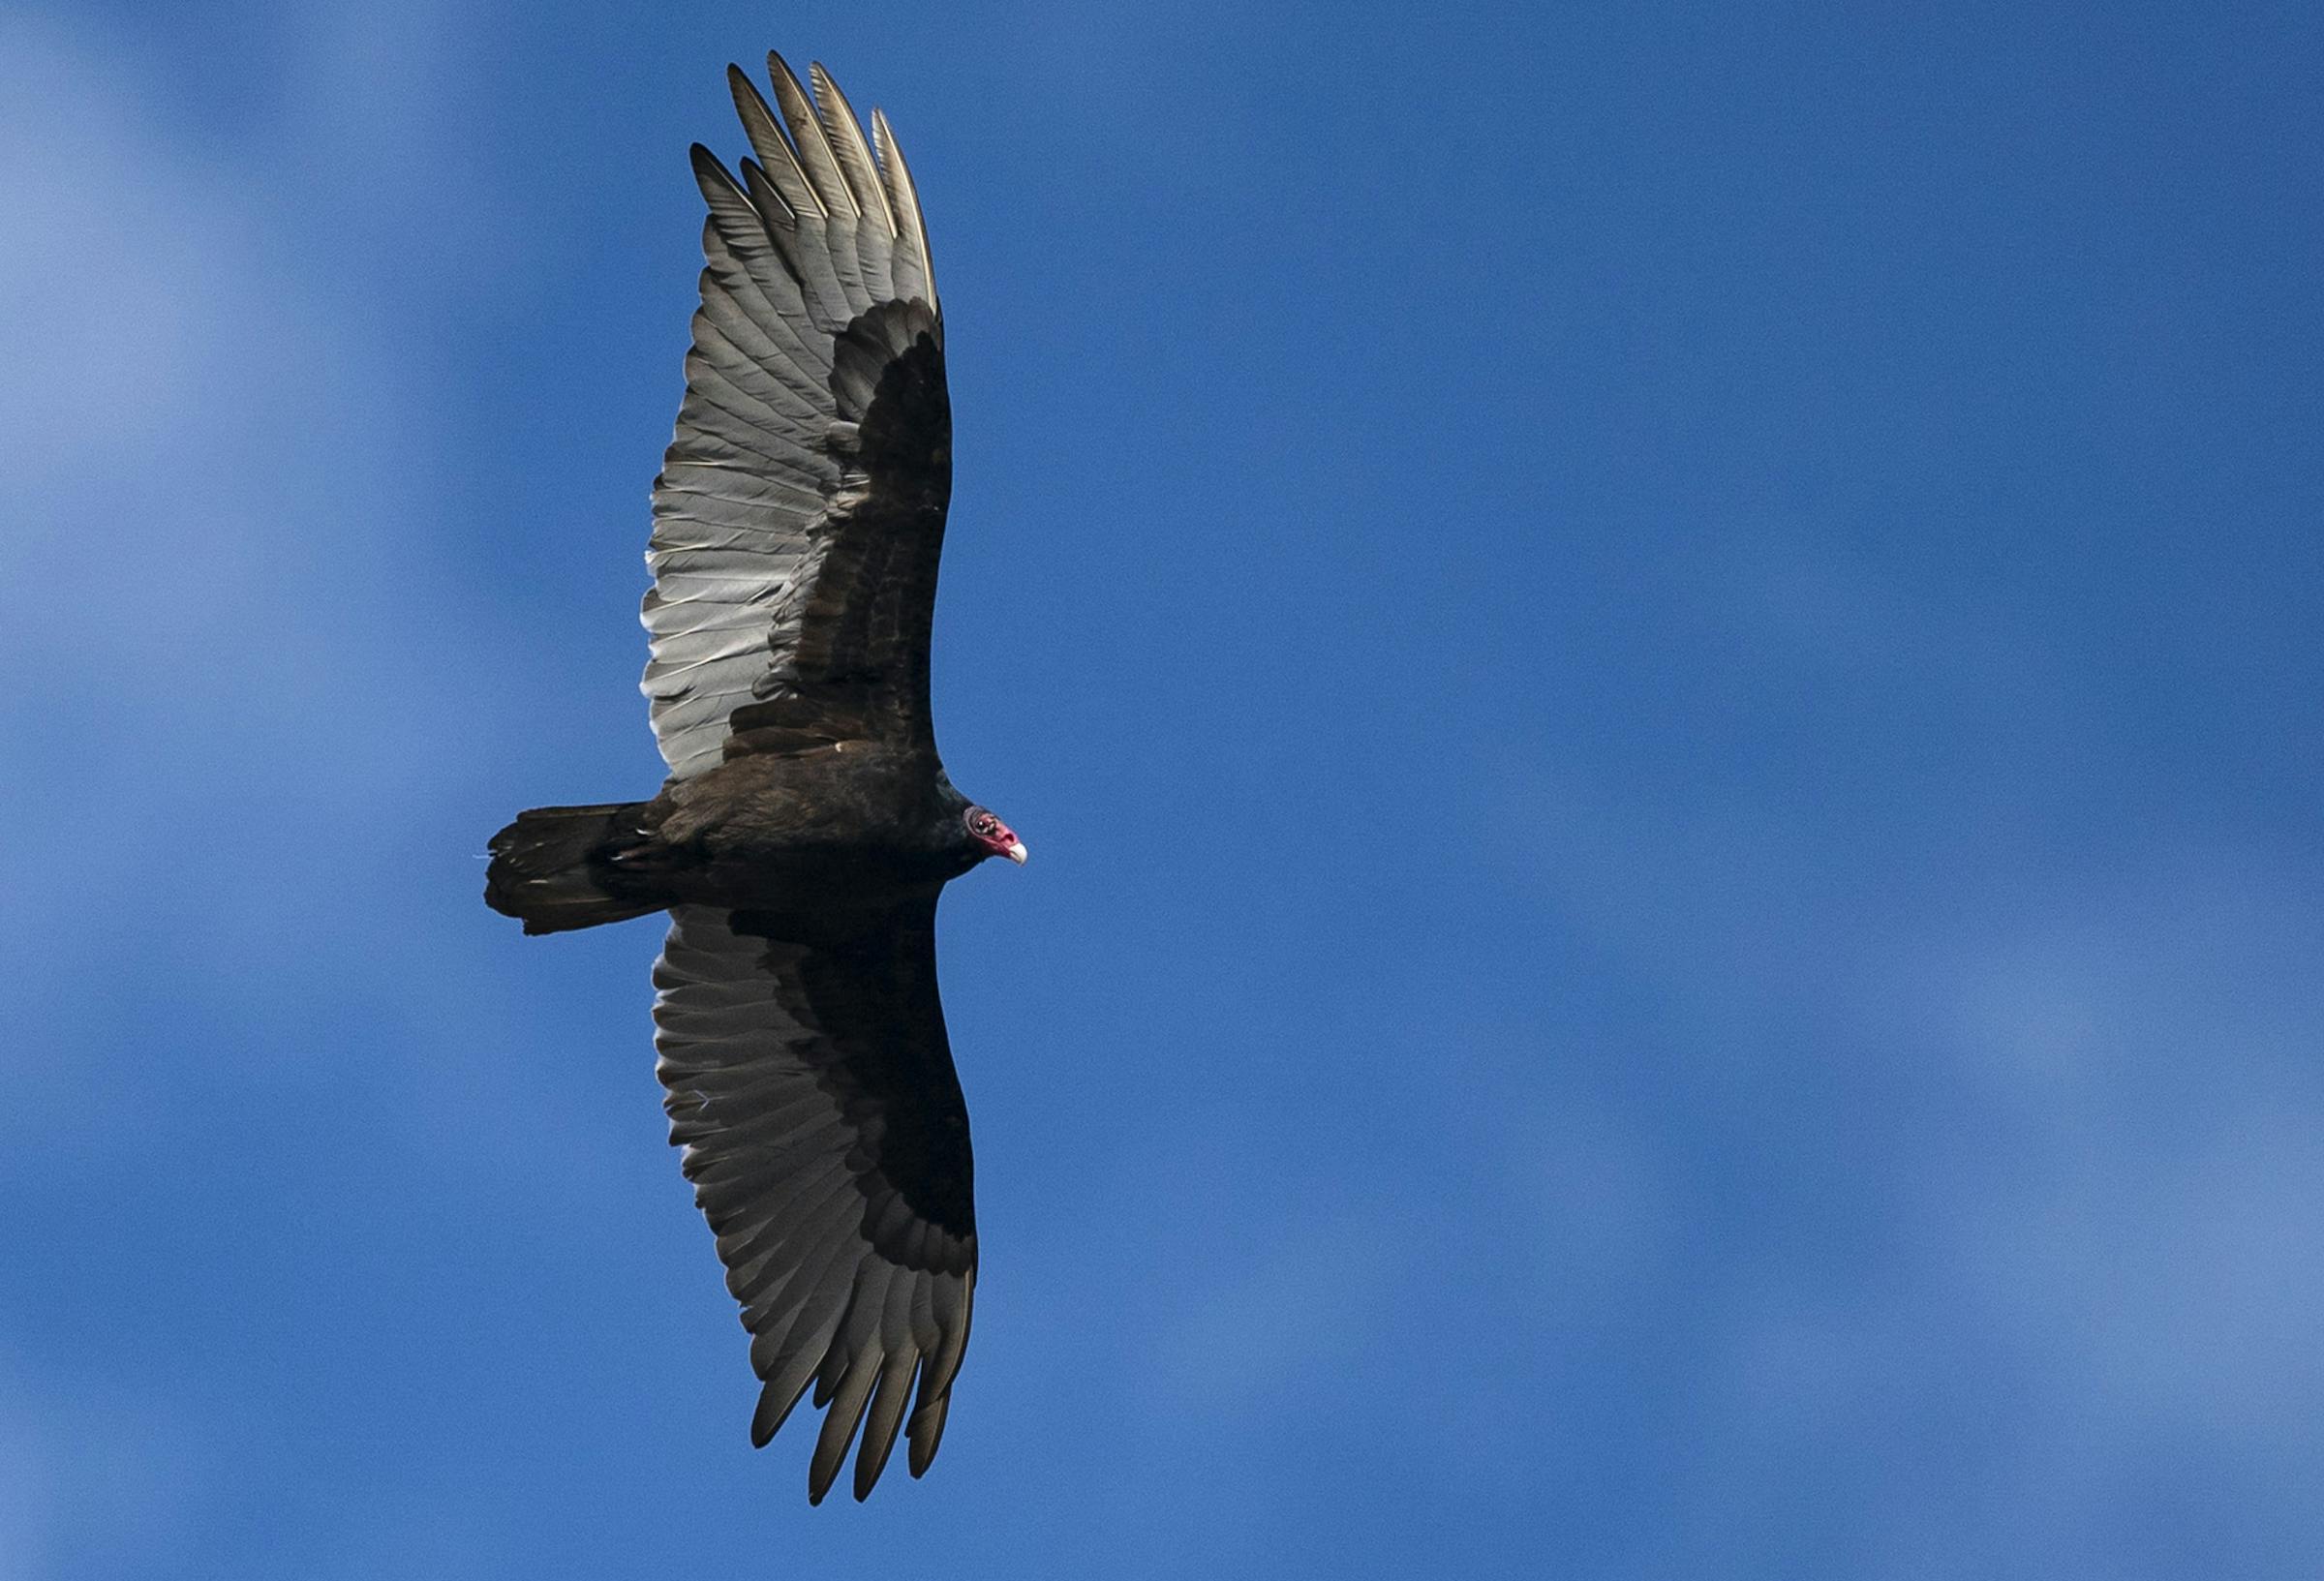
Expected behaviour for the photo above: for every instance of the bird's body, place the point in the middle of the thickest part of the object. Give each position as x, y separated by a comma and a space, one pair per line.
808, 826
803, 839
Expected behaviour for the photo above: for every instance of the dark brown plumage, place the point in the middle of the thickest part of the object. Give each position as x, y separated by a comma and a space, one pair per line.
807, 827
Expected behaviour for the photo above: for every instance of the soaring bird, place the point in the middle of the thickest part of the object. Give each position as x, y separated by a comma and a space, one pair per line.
807, 827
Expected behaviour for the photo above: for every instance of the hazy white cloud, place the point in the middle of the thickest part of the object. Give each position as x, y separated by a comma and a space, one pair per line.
1250, 1327
2147, 1232
1593, 1203
234, 640
90, 1475
2101, 1266
240, 654
231, 649
174, 376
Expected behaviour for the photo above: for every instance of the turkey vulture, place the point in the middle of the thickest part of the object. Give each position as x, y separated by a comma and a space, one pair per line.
806, 826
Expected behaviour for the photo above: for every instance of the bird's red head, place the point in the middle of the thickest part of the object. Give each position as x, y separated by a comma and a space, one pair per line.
994, 836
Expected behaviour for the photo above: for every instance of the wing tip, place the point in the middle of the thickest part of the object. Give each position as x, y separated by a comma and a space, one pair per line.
924, 1434
709, 168
824, 1468
748, 103
778, 70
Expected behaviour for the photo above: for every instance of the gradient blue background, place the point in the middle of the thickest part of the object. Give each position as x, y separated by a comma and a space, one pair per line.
1661, 660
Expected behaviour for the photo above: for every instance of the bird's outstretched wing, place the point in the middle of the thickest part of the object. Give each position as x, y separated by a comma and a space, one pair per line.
800, 511
812, 1089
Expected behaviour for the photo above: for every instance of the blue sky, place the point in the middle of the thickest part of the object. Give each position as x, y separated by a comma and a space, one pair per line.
1661, 660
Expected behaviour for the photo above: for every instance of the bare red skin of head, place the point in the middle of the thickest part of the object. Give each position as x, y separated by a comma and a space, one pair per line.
998, 840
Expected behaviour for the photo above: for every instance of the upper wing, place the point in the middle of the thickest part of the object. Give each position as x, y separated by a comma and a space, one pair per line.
812, 1089
800, 510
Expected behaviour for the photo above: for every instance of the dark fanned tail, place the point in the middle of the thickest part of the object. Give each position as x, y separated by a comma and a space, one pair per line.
551, 868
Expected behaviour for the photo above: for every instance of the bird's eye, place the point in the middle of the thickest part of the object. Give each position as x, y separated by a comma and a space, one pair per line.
981, 823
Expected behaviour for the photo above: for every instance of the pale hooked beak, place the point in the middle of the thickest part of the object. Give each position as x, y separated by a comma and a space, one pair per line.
1016, 853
